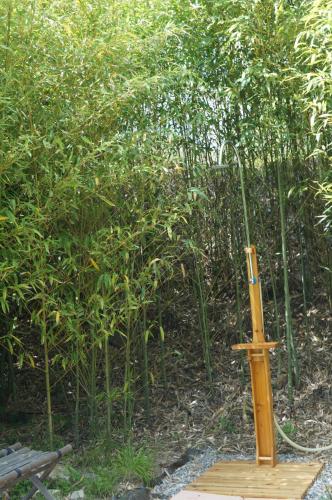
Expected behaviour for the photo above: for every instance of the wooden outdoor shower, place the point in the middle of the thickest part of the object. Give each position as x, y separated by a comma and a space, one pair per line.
244, 479
258, 356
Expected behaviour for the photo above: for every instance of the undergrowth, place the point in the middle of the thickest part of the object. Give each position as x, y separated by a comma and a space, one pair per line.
99, 471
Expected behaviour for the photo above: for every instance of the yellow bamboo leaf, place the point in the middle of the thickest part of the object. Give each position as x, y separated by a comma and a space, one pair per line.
57, 317
94, 264
3, 218
32, 361
67, 29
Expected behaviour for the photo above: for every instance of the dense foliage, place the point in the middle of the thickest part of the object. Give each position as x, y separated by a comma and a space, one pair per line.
113, 115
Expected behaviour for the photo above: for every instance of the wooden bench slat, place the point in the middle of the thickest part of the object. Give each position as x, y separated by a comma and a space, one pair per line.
14, 456
27, 458
16, 453
4, 452
25, 464
28, 469
23, 460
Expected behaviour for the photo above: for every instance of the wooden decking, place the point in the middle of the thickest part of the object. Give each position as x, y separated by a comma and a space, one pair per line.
247, 481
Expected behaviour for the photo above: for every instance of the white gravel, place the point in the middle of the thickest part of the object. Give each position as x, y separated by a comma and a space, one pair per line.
184, 475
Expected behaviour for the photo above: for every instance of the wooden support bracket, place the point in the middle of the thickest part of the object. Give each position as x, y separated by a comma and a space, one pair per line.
255, 345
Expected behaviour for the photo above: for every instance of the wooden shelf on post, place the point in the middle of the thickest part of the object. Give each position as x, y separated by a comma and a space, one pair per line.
256, 345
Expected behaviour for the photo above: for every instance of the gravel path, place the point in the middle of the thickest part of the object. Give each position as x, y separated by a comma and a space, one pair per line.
203, 459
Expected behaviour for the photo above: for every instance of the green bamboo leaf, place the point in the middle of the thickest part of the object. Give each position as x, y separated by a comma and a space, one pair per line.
199, 193
105, 200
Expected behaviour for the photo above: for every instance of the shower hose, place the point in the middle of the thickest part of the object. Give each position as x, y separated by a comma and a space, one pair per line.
298, 446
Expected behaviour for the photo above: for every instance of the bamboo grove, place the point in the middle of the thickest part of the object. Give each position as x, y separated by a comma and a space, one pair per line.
116, 206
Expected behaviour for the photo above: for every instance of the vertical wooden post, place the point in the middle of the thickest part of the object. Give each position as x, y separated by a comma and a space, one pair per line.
255, 295
260, 370
258, 356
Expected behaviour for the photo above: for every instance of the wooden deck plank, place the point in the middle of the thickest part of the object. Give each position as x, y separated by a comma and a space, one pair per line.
283, 467
191, 495
249, 483
244, 489
246, 480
